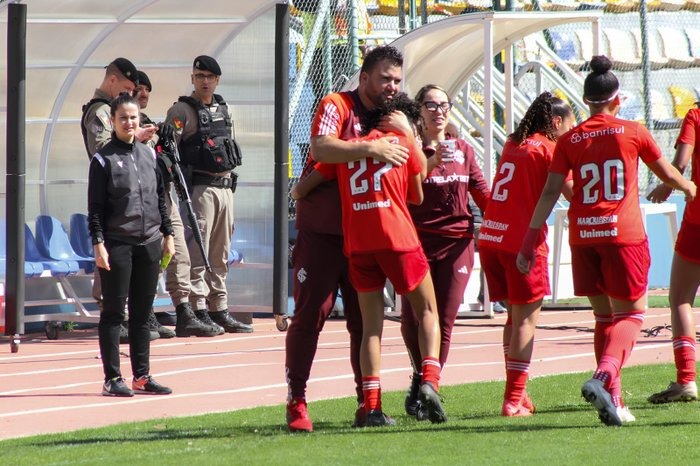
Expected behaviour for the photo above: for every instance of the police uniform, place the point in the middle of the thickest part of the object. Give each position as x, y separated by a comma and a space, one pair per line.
204, 135
95, 123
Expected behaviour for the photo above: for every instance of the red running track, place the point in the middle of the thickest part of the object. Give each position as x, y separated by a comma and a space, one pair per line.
54, 385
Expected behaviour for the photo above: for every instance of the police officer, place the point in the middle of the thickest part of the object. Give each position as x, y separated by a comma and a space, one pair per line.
177, 273
120, 76
203, 130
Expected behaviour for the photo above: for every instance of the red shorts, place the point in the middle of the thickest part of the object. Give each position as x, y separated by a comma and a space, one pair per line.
405, 270
621, 272
687, 242
507, 283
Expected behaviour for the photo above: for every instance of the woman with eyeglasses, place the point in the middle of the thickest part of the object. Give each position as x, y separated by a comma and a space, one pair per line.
445, 226
520, 177
609, 247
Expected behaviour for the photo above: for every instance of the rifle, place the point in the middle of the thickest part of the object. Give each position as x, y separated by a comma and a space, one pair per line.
167, 147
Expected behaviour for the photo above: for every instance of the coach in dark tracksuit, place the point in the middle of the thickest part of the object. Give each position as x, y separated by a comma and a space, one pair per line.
127, 220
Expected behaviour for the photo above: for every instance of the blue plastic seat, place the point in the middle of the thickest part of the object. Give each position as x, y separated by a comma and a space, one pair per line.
31, 269
80, 235
53, 242
32, 254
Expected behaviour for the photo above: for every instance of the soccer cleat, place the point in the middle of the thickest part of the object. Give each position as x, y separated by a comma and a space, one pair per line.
514, 410
595, 393
676, 392
526, 402
155, 326
298, 419
431, 403
147, 386
116, 387
412, 402
625, 415
376, 418
205, 318
225, 320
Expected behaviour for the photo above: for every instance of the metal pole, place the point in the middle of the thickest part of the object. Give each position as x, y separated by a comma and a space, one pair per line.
353, 41
646, 64
412, 14
402, 17
281, 148
327, 54
15, 172
424, 12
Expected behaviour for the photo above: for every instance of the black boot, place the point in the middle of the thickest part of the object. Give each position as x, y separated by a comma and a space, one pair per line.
154, 326
204, 318
230, 324
412, 401
189, 326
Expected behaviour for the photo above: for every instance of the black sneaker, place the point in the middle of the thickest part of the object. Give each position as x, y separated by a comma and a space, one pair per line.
229, 324
116, 387
360, 417
205, 318
155, 326
412, 402
431, 403
147, 386
376, 418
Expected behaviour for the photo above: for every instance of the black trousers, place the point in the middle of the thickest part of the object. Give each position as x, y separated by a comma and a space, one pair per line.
134, 274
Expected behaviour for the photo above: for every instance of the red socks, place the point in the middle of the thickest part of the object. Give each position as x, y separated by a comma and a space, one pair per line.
684, 356
372, 392
516, 379
618, 346
601, 332
431, 371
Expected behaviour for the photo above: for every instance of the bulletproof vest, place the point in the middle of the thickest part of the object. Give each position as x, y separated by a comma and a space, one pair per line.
211, 148
83, 127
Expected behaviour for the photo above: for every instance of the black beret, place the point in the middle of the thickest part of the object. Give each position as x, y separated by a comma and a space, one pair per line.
127, 69
206, 63
143, 79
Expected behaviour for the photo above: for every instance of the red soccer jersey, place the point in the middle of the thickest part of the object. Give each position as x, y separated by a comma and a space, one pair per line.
603, 155
520, 177
688, 135
373, 196
337, 115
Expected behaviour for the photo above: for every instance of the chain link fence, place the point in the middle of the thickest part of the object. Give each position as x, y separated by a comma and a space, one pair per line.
655, 52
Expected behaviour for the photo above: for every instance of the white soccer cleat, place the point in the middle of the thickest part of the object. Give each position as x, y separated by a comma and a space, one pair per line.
676, 392
625, 415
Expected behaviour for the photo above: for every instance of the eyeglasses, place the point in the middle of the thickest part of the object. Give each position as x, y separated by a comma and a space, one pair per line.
205, 77
433, 106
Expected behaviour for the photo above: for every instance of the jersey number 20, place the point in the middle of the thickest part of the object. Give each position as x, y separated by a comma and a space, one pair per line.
613, 181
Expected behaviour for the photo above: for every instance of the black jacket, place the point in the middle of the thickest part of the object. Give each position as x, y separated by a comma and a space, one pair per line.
126, 198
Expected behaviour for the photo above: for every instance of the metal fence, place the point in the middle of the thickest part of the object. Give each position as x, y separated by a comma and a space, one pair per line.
655, 51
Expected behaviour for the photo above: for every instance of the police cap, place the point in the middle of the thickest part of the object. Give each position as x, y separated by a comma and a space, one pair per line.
206, 63
126, 68
143, 79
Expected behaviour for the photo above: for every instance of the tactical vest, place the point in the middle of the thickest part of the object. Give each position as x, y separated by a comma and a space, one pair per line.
211, 148
83, 127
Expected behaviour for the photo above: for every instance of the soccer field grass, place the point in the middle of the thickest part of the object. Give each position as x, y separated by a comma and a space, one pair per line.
565, 430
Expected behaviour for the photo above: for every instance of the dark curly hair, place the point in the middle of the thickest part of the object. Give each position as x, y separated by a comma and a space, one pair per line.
538, 118
601, 84
401, 102
379, 54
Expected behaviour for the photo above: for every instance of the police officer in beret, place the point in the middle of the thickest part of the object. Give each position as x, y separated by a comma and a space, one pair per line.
120, 76
204, 133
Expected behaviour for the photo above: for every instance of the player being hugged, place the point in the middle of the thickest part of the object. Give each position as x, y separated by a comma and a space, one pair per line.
381, 242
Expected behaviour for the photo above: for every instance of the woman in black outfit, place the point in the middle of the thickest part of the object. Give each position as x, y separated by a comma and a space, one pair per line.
128, 220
